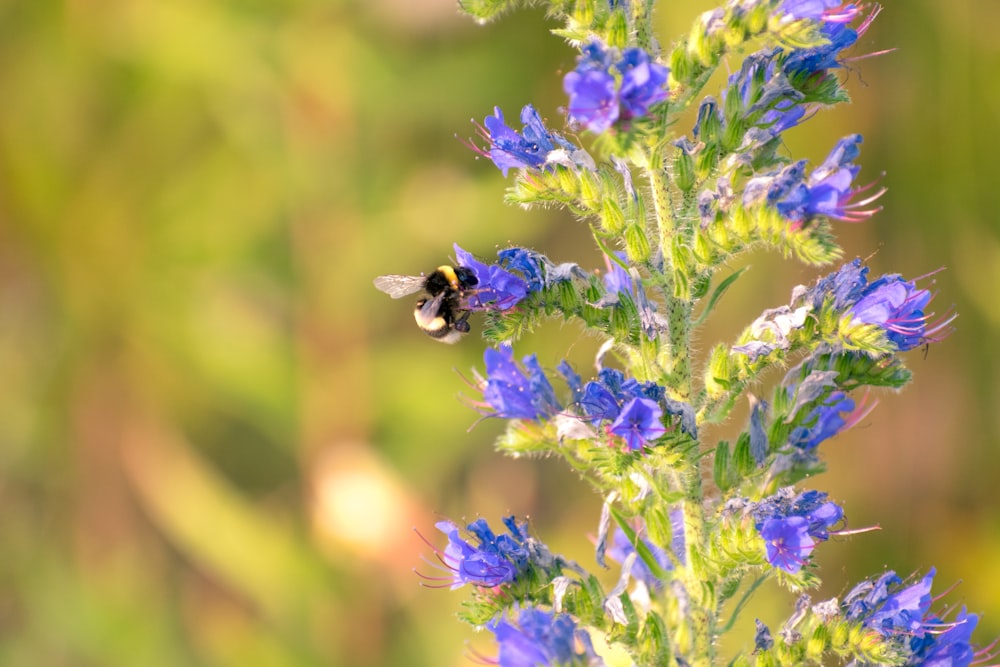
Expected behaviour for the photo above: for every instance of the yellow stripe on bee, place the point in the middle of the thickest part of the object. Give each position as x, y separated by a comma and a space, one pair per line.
449, 273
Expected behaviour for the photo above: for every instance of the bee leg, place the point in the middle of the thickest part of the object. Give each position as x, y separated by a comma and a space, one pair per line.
462, 324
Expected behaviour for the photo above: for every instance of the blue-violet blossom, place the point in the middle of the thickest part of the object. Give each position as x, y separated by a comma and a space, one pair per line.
898, 306
895, 610
534, 147
496, 560
517, 391
889, 302
825, 421
792, 526
826, 192
539, 638
497, 289
598, 98
832, 11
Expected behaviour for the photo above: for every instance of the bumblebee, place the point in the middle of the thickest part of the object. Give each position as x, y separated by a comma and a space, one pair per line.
442, 315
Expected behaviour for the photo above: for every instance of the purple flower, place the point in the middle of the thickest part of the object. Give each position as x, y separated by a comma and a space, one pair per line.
531, 265
643, 83
598, 402
539, 638
951, 648
889, 302
598, 99
608, 397
823, 422
791, 526
617, 280
899, 611
497, 288
767, 93
592, 90
904, 609
829, 186
530, 149
497, 560
826, 192
898, 306
517, 391
804, 63
788, 542
639, 422
832, 11
844, 287
603, 399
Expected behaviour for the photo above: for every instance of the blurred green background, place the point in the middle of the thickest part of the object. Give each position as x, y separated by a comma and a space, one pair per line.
216, 435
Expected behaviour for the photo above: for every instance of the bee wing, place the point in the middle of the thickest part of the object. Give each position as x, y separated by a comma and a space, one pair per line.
400, 286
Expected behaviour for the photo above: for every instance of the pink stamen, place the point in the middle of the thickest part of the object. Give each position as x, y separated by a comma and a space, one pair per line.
842, 14
860, 412
863, 28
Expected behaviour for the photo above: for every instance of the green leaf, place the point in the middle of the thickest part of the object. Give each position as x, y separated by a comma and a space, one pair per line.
717, 294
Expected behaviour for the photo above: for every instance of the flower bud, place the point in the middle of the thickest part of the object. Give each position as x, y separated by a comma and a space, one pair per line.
636, 244
684, 171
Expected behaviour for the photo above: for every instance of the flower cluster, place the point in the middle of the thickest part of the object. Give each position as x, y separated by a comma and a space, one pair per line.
517, 391
496, 288
692, 523
827, 191
628, 409
902, 613
632, 407
792, 525
883, 316
604, 90
832, 11
538, 637
890, 303
535, 147
496, 559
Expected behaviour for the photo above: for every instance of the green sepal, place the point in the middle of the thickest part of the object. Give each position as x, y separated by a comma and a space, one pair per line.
654, 642
684, 171
616, 30
585, 600
612, 217
721, 470
567, 299
719, 375
637, 243
743, 229
742, 461
801, 34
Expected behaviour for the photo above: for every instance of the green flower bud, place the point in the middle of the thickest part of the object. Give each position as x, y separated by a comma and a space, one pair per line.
684, 170
612, 217
636, 244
